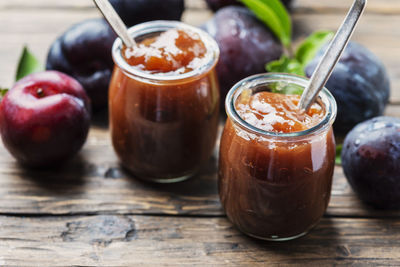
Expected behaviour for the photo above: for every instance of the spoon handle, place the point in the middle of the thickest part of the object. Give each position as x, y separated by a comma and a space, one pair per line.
332, 55
115, 22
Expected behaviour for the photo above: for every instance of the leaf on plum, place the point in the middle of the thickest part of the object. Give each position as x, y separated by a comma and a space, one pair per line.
309, 48
285, 65
304, 54
338, 158
275, 16
3, 91
286, 88
28, 64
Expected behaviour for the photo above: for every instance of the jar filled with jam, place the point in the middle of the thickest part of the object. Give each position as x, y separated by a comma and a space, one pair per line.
164, 101
276, 163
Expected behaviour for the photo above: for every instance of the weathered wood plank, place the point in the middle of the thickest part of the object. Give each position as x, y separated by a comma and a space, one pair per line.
169, 241
95, 183
393, 110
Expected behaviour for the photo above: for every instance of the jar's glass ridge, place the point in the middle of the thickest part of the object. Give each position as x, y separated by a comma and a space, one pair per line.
260, 80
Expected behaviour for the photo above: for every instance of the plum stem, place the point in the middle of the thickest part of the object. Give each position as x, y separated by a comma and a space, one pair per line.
289, 51
40, 92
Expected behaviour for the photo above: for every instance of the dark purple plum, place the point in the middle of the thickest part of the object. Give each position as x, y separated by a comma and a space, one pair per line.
360, 85
287, 3
246, 45
217, 4
371, 161
214, 5
84, 52
133, 12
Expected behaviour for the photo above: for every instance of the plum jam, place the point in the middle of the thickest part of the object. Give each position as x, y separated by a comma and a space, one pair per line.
275, 112
276, 164
171, 52
164, 101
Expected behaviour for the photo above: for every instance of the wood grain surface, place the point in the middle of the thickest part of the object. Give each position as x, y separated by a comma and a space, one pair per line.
95, 183
90, 212
123, 240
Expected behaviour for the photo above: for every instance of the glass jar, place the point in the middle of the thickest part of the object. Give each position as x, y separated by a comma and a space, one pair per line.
275, 186
164, 126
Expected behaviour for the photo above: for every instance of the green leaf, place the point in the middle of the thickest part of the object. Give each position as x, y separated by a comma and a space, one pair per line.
286, 89
273, 14
310, 47
3, 91
338, 159
285, 65
27, 64
282, 13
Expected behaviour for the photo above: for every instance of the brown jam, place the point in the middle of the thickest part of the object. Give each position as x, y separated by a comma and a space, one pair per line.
278, 113
164, 130
275, 188
172, 52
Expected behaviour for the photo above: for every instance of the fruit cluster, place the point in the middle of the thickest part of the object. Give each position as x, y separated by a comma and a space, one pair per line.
359, 83
45, 117
84, 50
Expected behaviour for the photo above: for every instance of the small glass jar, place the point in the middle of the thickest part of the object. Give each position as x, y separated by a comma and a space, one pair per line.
164, 126
275, 186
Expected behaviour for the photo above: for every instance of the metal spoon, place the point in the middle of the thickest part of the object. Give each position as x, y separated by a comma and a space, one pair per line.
115, 22
332, 55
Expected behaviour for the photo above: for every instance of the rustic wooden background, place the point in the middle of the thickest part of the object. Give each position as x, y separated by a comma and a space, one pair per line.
91, 213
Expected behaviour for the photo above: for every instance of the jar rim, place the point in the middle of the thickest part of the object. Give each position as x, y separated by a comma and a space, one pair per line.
250, 82
212, 54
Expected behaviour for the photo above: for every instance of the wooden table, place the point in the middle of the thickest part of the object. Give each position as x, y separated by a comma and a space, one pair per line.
90, 212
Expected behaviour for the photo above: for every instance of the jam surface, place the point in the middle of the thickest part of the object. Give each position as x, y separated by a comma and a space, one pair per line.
278, 113
174, 51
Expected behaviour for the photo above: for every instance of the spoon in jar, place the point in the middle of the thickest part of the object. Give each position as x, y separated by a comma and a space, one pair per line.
115, 22
331, 56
